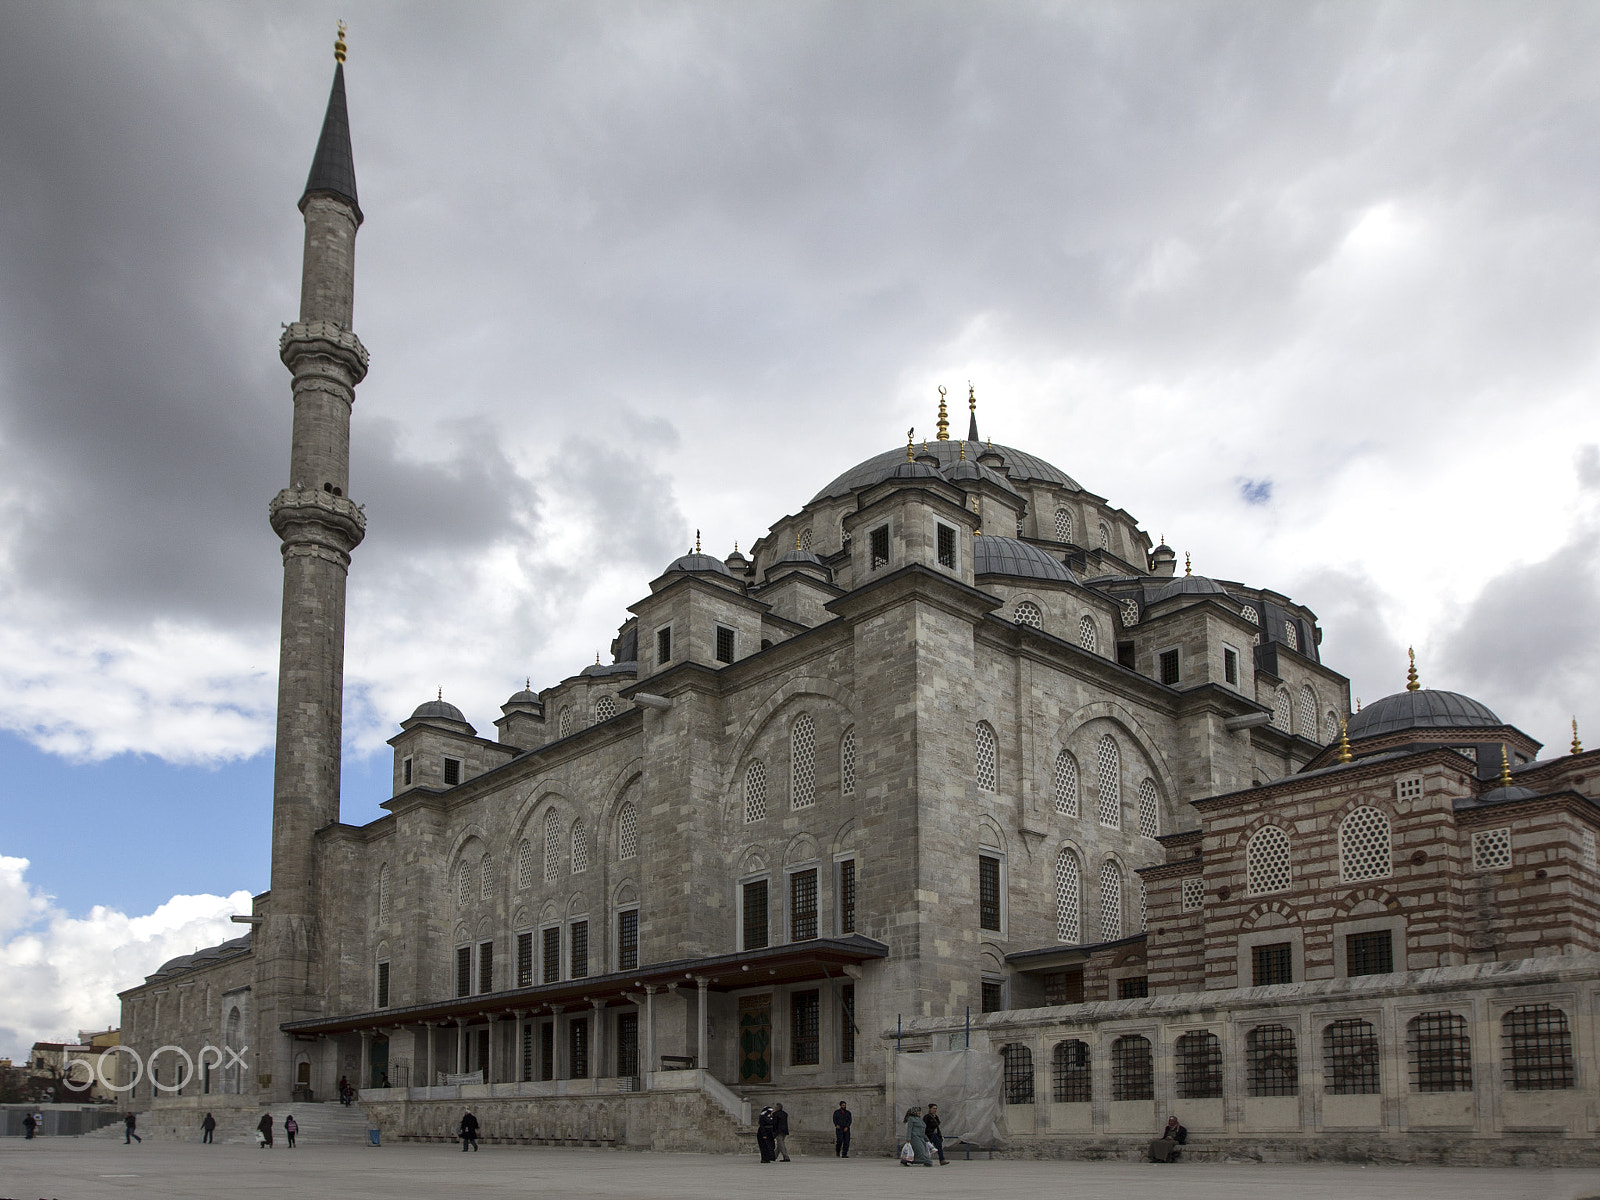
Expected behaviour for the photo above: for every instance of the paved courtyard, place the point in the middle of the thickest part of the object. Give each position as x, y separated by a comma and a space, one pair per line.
92, 1169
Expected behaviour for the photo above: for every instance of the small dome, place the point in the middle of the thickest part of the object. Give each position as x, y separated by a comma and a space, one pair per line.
438, 710
1421, 709
616, 668
1008, 556
1164, 551
522, 697
912, 470
802, 557
1187, 585
695, 561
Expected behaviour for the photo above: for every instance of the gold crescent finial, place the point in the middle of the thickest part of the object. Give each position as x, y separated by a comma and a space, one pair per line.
911, 437
1344, 740
1577, 746
697, 541
597, 658
440, 696
1358, 703
527, 684
736, 545
1187, 569
972, 398
1411, 672
944, 418
1505, 766
339, 47
963, 452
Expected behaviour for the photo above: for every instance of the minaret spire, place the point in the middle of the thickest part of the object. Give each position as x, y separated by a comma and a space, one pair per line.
972, 411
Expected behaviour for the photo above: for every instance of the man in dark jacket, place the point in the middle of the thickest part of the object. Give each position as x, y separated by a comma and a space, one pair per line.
128, 1124
935, 1134
264, 1128
207, 1128
780, 1132
1165, 1147
841, 1130
28, 1125
469, 1131
766, 1134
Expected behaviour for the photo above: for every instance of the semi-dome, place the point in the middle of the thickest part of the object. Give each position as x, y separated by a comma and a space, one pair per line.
966, 469
438, 710
1009, 556
1421, 709
1187, 585
696, 561
1019, 467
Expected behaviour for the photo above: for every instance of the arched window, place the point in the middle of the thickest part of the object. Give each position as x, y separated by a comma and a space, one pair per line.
486, 877
1249, 613
1308, 713
1536, 1048
1291, 635
1018, 1060
1069, 901
1266, 862
803, 762
1110, 901
1027, 613
1066, 784
604, 709
1272, 1065
1063, 525
1132, 1077
984, 752
1149, 809
1330, 727
1130, 612
580, 848
1198, 1058
1440, 1051
1110, 776
1280, 710
1086, 634
1072, 1082
805, 539
524, 864
1103, 536
463, 885
628, 831
566, 723
1144, 906
1350, 1058
755, 792
1364, 846
383, 894
847, 762
552, 846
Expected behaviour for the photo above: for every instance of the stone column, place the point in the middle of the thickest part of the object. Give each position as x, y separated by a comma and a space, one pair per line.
366, 1060
429, 1030
650, 1064
461, 1046
700, 1054
597, 1041
490, 1075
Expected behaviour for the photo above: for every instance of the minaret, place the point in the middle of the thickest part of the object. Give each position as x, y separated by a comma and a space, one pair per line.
319, 526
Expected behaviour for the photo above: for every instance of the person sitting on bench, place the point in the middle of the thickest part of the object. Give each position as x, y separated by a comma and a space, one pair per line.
1165, 1147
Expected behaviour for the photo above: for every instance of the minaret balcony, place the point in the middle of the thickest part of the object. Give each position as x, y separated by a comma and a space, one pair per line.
305, 515
326, 341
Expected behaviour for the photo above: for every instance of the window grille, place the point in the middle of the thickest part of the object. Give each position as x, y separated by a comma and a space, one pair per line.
1266, 862
803, 762
1270, 965
1149, 809
578, 945
1110, 901
992, 996
1071, 1081
1491, 849
1144, 906
383, 985
566, 723
1330, 727
1440, 1051
1134, 987
1198, 1057
628, 832
627, 1044
1409, 788
1066, 784
663, 646
1130, 612
878, 544
1170, 668
988, 893
628, 940
755, 792
1350, 1058
524, 864
803, 906
947, 547
804, 1044
1068, 902
452, 772
1027, 613
1588, 849
1308, 713
383, 894
1194, 894
1018, 1060
604, 709
1110, 776
552, 955
1537, 1048
1280, 711
486, 877
1103, 536
1230, 666
847, 896
405, 771
984, 753
1364, 846
578, 1048
1063, 525
527, 1053
1131, 1075
1086, 634
547, 1050
755, 915
485, 968
1249, 613
463, 885
1063, 987
463, 970
724, 644
1291, 635
524, 960
847, 1023
1272, 1067
552, 846
847, 762
805, 539
1369, 953
580, 848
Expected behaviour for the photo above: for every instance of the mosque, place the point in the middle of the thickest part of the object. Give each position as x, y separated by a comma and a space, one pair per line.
954, 759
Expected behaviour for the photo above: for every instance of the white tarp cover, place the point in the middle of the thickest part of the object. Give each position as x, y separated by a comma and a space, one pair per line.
965, 1084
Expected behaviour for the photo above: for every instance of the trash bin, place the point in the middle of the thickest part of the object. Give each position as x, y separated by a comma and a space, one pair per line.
372, 1137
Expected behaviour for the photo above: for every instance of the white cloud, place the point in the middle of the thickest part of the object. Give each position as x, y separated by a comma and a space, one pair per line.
60, 973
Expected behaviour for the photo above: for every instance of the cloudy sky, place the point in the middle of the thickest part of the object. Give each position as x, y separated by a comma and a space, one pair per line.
1311, 289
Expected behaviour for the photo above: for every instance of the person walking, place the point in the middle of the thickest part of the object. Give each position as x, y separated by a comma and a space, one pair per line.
469, 1131
207, 1128
935, 1134
129, 1123
344, 1090
842, 1117
264, 1128
28, 1126
765, 1135
917, 1135
780, 1132
291, 1127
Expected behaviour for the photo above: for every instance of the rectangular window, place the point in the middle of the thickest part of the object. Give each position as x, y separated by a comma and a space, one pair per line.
847, 896
578, 1048
463, 970
804, 1008
552, 955
1272, 964
1409, 789
1136, 988
1125, 655
1064, 987
580, 950
847, 1023
485, 967
1369, 953
452, 772
755, 915
663, 646
527, 1054
628, 940
724, 644
947, 547
383, 985
1491, 849
405, 771
879, 544
1169, 667
627, 1044
1230, 666
802, 906
524, 960
988, 893
547, 1050
994, 996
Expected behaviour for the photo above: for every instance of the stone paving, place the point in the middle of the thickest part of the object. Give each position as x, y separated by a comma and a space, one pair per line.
76, 1169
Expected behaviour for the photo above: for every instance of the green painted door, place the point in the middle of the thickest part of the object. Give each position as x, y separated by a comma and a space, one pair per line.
755, 1039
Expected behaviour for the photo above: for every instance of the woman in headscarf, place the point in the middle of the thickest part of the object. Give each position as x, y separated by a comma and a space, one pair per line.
917, 1135
264, 1128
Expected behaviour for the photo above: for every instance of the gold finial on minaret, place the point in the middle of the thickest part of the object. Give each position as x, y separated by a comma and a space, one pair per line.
527, 684
597, 658
1358, 703
1187, 569
944, 418
972, 398
1344, 740
911, 437
963, 452
440, 696
1411, 672
797, 539
1505, 766
1577, 746
339, 47
697, 541
736, 545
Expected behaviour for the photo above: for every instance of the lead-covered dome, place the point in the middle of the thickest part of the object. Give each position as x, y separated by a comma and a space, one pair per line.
1019, 467
438, 710
696, 561
1009, 556
1424, 708
1187, 585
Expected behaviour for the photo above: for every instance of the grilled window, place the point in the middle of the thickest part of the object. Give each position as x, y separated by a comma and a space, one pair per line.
1087, 638
547, 1050
1149, 809
524, 960
552, 955
405, 771
724, 644
1249, 613
1194, 894
1027, 613
1350, 1058
1330, 726
1070, 1082
452, 772
984, 752
565, 728
1132, 1077
1103, 536
578, 1048
627, 1044
847, 762
1266, 862
580, 848
1110, 901
803, 762
847, 1023
1110, 776
578, 941
485, 967
1018, 1060
1291, 635
463, 970
463, 885
755, 792
527, 1052
552, 847
802, 906
878, 544
1440, 1051
1169, 667
1130, 613
1537, 1048
383, 985
1308, 713
628, 940
988, 893
524, 864
847, 896
1280, 711
1230, 666
486, 878
1069, 902
663, 646
992, 996
1272, 964
1063, 525
383, 894
604, 709
1364, 846
1491, 849
1198, 1056
1066, 784
1064, 987
1272, 1067
947, 547
804, 1047
755, 915
1135, 987
628, 832
1369, 953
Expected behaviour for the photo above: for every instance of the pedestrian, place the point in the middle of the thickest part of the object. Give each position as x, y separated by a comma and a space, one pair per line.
128, 1124
1165, 1146
344, 1091
765, 1135
207, 1128
291, 1127
29, 1124
264, 1129
780, 1132
935, 1134
841, 1130
917, 1135
469, 1131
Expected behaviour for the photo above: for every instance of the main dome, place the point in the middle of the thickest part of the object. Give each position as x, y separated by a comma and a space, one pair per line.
1421, 709
1020, 466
